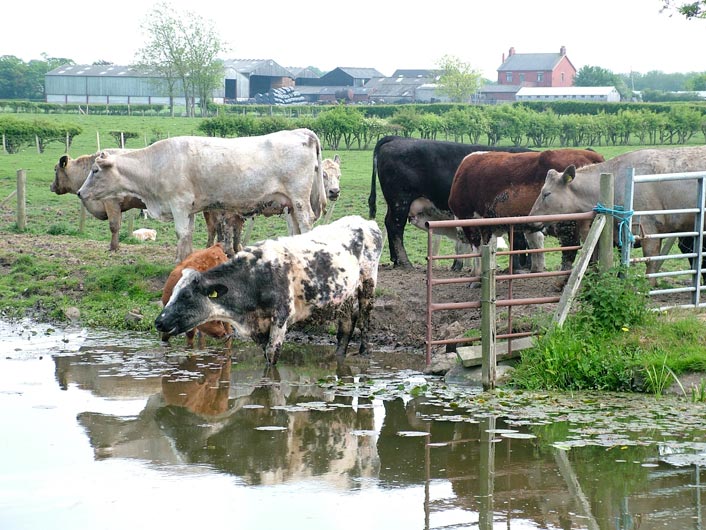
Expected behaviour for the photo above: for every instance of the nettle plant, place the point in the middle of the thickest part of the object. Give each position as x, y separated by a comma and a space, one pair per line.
614, 300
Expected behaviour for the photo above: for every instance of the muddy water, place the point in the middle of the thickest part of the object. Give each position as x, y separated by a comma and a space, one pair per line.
106, 431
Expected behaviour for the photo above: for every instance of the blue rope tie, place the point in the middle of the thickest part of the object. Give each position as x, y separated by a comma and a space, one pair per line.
623, 216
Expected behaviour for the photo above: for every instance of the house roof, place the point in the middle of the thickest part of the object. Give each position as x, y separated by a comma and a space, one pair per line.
531, 61
303, 72
358, 73
429, 74
395, 86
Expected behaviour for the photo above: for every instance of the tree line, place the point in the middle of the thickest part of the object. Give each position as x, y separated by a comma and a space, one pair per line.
350, 127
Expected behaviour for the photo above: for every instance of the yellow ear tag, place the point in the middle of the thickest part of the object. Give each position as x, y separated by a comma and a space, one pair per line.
213, 294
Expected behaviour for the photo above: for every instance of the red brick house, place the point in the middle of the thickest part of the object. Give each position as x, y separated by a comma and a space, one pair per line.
529, 70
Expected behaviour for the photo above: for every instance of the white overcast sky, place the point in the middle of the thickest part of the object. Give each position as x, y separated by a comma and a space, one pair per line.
620, 35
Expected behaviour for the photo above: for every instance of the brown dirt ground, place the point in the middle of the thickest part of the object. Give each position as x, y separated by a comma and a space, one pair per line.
398, 322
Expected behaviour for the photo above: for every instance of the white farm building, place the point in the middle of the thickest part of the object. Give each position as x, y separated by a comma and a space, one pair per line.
577, 93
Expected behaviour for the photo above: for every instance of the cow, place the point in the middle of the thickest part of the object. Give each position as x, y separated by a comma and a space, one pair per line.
409, 169
277, 282
200, 260
227, 226
69, 176
578, 190
182, 175
496, 184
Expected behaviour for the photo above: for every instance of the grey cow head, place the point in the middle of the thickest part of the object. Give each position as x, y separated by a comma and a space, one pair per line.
193, 302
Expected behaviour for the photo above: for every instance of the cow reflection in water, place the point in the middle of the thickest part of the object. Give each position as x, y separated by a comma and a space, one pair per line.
207, 413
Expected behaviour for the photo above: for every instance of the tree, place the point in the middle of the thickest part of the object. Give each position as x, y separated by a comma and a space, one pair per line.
597, 76
696, 82
688, 9
458, 80
594, 76
182, 50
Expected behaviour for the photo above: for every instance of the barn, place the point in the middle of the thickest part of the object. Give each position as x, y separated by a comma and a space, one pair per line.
106, 84
115, 84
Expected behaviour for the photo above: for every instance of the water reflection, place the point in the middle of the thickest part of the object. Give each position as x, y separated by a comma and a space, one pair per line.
394, 448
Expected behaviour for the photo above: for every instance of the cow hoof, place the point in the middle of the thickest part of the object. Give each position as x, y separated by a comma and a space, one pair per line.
474, 285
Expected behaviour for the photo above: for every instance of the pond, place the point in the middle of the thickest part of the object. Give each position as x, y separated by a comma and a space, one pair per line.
104, 430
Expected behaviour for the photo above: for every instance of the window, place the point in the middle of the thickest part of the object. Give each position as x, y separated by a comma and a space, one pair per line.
562, 77
522, 78
508, 77
540, 77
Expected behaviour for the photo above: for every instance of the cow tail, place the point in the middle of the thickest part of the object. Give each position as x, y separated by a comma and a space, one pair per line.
372, 198
318, 197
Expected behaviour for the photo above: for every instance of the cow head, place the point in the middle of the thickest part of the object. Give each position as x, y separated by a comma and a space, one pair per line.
556, 196
332, 177
194, 301
61, 182
98, 182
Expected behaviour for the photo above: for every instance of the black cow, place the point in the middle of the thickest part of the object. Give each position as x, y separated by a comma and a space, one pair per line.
409, 169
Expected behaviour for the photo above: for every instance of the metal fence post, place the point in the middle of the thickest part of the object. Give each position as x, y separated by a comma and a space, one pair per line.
626, 242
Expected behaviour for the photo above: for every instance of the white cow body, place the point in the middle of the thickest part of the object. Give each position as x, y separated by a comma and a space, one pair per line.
180, 176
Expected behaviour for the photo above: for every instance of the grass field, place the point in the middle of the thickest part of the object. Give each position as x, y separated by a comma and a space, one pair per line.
50, 213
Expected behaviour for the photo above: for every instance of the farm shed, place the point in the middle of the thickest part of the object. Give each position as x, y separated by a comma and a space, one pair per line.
404, 87
348, 77
581, 93
104, 84
246, 77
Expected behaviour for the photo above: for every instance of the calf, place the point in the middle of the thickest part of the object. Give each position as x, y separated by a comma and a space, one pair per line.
275, 283
201, 260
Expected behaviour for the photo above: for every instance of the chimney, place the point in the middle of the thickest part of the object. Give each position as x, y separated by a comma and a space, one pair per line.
511, 52
562, 51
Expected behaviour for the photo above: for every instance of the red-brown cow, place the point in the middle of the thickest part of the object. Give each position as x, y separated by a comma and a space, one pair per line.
201, 260
497, 184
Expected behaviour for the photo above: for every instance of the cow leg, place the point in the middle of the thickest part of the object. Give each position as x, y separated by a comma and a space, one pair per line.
184, 225
237, 223
302, 217
366, 301
395, 221
536, 240
211, 227
460, 248
274, 343
115, 217
651, 247
346, 324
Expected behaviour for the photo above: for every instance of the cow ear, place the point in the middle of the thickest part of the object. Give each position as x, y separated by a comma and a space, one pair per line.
569, 174
337, 158
104, 161
63, 161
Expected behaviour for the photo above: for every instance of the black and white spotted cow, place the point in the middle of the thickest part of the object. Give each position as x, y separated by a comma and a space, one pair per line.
327, 273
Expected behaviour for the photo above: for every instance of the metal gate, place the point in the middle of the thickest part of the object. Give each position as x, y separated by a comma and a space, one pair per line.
696, 284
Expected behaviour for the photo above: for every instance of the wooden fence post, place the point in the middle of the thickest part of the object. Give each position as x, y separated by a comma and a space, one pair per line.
21, 200
487, 307
605, 244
